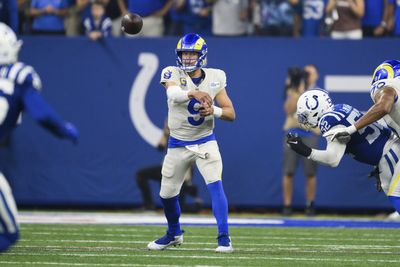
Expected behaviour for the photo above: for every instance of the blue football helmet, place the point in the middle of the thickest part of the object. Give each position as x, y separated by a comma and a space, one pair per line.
389, 69
191, 43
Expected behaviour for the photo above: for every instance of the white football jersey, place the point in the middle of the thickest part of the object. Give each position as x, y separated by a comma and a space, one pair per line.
393, 118
184, 120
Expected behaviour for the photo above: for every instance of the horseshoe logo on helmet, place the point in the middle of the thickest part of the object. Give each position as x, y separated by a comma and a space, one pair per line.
316, 103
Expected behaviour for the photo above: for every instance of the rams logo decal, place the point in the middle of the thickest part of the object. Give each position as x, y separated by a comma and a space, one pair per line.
167, 74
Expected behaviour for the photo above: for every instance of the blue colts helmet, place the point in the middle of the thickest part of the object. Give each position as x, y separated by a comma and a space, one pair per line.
389, 69
191, 43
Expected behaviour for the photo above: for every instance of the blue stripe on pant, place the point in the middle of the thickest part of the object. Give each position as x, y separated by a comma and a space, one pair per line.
7, 238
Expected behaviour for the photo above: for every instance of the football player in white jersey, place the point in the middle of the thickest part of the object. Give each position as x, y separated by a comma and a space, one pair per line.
385, 92
19, 91
191, 91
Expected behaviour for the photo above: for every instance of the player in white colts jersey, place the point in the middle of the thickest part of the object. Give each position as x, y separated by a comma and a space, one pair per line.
374, 144
191, 90
19, 91
385, 91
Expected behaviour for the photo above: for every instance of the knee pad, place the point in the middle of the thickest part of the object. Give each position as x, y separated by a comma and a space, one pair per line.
169, 188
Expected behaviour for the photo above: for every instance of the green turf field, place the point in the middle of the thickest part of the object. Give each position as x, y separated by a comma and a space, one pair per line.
114, 245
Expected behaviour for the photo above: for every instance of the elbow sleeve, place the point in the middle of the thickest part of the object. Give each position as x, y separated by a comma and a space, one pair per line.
331, 156
176, 94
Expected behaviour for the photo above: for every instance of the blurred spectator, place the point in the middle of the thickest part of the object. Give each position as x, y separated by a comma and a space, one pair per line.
152, 12
24, 22
297, 82
176, 18
308, 15
9, 13
97, 25
376, 19
349, 14
394, 17
115, 9
273, 18
72, 18
48, 16
198, 18
230, 17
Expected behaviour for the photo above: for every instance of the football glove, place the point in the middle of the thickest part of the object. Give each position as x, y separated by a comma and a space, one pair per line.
343, 135
71, 132
376, 174
295, 143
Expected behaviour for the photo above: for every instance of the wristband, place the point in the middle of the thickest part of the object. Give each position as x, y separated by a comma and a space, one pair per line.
351, 129
217, 111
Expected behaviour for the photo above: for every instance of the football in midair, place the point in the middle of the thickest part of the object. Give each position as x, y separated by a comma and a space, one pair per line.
131, 23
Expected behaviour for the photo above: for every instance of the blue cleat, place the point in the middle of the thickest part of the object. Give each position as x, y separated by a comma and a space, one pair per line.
169, 239
224, 244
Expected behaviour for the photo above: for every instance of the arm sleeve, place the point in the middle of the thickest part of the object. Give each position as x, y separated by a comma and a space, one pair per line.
43, 113
331, 156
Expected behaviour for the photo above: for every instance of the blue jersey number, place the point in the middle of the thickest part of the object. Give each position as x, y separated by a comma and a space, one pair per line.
374, 129
6, 88
193, 109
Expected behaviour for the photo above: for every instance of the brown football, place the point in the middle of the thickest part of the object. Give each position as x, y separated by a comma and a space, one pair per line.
131, 23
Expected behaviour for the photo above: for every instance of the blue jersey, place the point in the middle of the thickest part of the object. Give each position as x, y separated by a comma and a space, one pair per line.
366, 145
19, 91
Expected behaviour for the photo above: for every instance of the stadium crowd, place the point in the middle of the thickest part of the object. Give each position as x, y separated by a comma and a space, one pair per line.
340, 19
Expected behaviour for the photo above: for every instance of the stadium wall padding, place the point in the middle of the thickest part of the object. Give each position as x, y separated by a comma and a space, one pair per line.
90, 84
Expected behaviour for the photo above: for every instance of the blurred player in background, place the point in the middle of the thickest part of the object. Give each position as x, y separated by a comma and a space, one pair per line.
19, 91
385, 92
146, 174
298, 81
375, 144
191, 90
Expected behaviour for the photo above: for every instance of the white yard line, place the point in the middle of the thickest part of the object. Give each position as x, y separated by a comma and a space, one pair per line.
235, 237
218, 257
274, 248
41, 263
334, 246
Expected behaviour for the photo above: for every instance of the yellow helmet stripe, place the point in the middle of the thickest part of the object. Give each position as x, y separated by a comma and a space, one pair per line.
199, 44
387, 67
179, 45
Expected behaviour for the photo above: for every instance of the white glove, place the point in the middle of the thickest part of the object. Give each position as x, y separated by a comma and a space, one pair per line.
341, 134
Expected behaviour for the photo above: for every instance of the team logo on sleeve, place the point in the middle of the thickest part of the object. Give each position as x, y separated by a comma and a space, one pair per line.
183, 82
167, 74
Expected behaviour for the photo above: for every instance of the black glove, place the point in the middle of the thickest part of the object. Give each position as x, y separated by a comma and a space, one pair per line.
375, 174
295, 143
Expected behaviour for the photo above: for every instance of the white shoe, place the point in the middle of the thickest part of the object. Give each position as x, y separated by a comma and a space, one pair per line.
224, 244
394, 216
223, 249
166, 241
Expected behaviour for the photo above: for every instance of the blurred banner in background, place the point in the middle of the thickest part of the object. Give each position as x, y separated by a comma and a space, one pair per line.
110, 90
